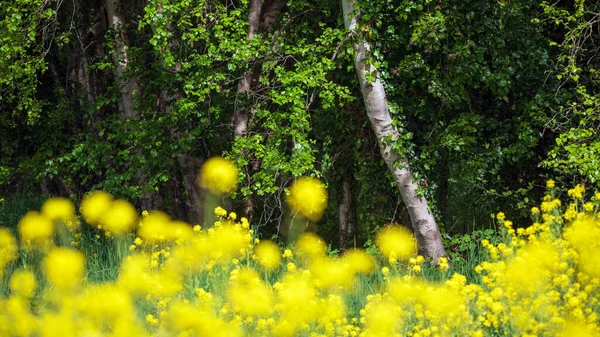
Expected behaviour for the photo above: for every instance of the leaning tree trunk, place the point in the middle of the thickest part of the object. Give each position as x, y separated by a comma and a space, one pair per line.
423, 223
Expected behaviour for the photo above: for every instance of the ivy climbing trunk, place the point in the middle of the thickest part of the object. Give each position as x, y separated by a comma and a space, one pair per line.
374, 96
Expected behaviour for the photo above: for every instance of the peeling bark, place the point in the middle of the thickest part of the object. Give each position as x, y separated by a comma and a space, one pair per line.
424, 225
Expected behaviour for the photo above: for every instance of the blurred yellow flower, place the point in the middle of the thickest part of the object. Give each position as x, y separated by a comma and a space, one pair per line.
268, 254
550, 183
64, 268
331, 273
58, 209
310, 245
218, 175
22, 283
94, 206
120, 218
359, 261
8, 248
308, 196
249, 295
35, 227
395, 241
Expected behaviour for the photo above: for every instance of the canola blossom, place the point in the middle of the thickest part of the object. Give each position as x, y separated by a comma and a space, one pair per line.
218, 175
308, 197
184, 280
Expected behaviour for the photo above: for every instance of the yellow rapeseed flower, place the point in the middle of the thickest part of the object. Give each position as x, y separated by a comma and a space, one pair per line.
359, 261
58, 209
577, 192
308, 196
64, 268
35, 227
331, 273
443, 263
220, 212
500, 216
249, 295
94, 206
268, 255
120, 218
8, 248
288, 254
395, 240
550, 183
218, 175
310, 245
22, 283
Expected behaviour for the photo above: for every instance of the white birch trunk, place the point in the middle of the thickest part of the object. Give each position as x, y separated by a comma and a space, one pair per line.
423, 223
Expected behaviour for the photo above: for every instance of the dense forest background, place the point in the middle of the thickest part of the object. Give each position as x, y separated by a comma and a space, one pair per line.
490, 99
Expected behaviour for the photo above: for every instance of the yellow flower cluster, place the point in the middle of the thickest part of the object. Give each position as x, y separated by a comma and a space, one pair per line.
218, 175
179, 280
308, 197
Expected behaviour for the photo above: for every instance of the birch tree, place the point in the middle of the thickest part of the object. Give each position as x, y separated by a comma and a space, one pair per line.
374, 96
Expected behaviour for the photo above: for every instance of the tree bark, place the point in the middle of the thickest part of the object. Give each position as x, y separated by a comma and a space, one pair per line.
190, 166
250, 77
423, 223
346, 215
261, 16
128, 85
443, 186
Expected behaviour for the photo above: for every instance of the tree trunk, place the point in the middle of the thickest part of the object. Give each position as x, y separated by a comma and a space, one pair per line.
128, 85
424, 225
261, 16
346, 214
443, 186
190, 166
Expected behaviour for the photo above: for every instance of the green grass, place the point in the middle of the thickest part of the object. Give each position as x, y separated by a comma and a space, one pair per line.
104, 256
